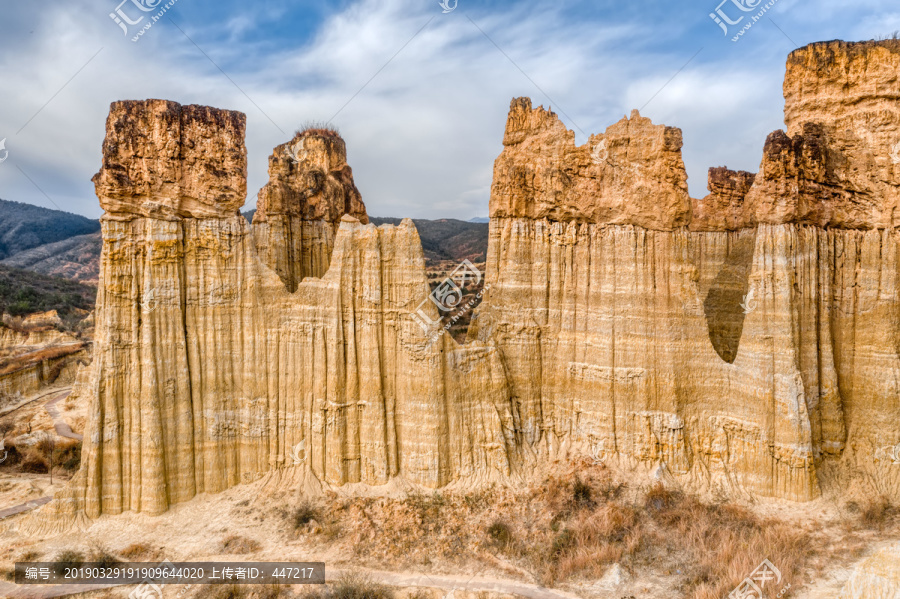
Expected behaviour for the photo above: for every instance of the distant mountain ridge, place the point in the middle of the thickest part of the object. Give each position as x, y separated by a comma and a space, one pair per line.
442, 239
24, 292
66, 245
447, 238
24, 226
76, 258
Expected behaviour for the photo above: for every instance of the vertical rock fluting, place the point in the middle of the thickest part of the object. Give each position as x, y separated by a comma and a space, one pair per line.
310, 188
759, 342
601, 314
842, 113
210, 372
748, 340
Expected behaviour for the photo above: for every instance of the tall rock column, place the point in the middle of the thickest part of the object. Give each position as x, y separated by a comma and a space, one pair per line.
298, 211
210, 371
163, 165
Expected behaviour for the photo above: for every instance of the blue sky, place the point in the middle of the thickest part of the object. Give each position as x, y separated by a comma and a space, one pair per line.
422, 135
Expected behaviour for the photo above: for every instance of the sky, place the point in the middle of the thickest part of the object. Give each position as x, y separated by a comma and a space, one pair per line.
418, 89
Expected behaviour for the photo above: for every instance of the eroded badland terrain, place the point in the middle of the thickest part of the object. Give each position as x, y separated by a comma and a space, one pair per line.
655, 394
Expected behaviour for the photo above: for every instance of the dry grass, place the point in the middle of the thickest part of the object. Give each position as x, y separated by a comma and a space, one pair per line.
237, 591
305, 514
33, 459
222, 591
879, 514
318, 129
351, 586
137, 552
500, 533
13, 455
68, 559
102, 556
574, 527
34, 462
239, 545
31, 555
68, 454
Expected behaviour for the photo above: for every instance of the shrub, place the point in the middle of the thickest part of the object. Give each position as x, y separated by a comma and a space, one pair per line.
136, 550
581, 493
13, 456
271, 591
29, 556
239, 545
103, 557
68, 559
563, 541
500, 533
353, 586
222, 591
34, 463
68, 455
878, 514
660, 498
305, 513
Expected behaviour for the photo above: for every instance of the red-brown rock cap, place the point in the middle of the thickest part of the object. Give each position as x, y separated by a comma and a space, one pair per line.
166, 160
309, 178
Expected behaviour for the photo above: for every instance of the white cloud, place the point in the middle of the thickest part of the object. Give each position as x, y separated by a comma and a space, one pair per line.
423, 135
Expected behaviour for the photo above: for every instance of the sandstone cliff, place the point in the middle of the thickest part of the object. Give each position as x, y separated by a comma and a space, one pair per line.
210, 370
748, 341
758, 345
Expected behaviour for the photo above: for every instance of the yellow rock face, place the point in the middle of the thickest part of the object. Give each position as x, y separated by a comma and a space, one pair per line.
748, 341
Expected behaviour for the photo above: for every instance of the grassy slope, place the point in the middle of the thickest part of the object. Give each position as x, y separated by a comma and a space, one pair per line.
25, 292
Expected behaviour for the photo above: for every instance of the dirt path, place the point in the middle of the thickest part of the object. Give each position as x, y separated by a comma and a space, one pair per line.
62, 427
25, 402
24, 507
462, 583
396, 579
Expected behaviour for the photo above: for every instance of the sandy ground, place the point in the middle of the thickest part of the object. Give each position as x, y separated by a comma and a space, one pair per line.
197, 531
16, 489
